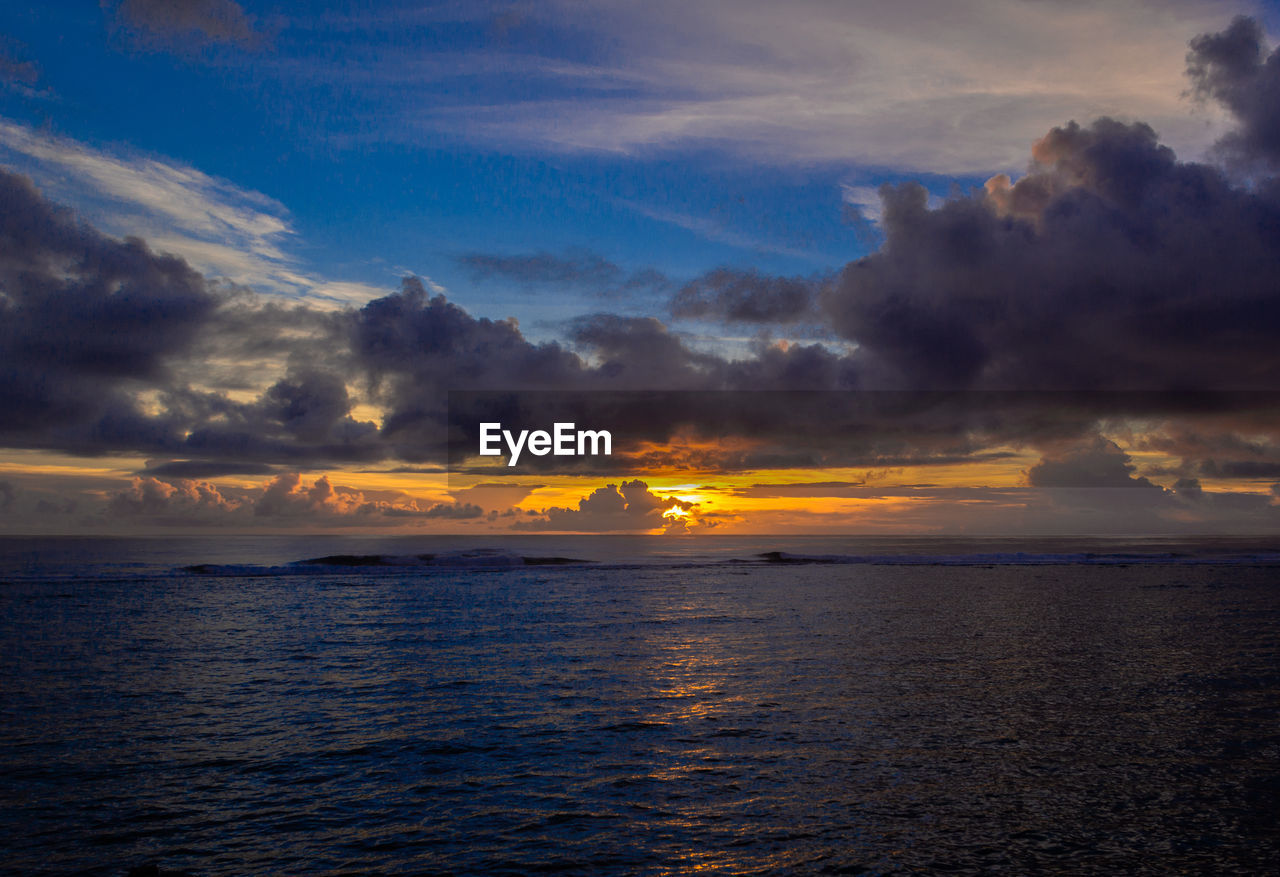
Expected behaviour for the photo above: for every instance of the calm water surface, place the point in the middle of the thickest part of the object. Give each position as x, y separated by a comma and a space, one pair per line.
659, 717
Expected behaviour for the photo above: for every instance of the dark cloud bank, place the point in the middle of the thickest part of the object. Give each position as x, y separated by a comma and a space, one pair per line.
1109, 266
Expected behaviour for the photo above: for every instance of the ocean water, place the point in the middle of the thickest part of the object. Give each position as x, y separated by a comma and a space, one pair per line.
639, 706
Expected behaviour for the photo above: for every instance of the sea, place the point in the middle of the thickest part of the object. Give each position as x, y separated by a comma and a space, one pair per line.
639, 705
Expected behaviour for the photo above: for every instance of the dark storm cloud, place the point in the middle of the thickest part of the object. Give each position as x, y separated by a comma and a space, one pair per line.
247, 331
414, 348
89, 323
737, 296
411, 338
1241, 469
83, 318
1101, 463
1233, 67
302, 417
641, 353
793, 367
1109, 266
1238, 440
187, 22
201, 469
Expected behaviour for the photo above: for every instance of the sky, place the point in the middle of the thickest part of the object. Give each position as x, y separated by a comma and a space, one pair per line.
993, 267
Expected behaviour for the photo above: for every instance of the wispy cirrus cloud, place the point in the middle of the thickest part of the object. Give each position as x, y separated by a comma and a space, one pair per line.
572, 269
225, 231
911, 85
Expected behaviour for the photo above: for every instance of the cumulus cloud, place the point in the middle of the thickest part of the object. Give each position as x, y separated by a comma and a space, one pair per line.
303, 416
1234, 68
288, 496
641, 353
414, 348
104, 346
631, 506
178, 500
286, 500
85, 318
1100, 463
1109, 265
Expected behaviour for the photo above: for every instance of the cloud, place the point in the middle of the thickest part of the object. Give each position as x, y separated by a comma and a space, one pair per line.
221, 229
13, 71
570, 270
577, 269
201, 469
286, 500
737, 296
909, 85
1243, 469
303, 417
187, 23
18, 73
104, 345
286, 496
1109, 265
220, 225
1233, 68
83, 319
114, 348
494, 496
1101, 463
640, 353
414, 348
631, 506
175, 500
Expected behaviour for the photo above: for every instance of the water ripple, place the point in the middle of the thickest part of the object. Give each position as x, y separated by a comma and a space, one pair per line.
776, 718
